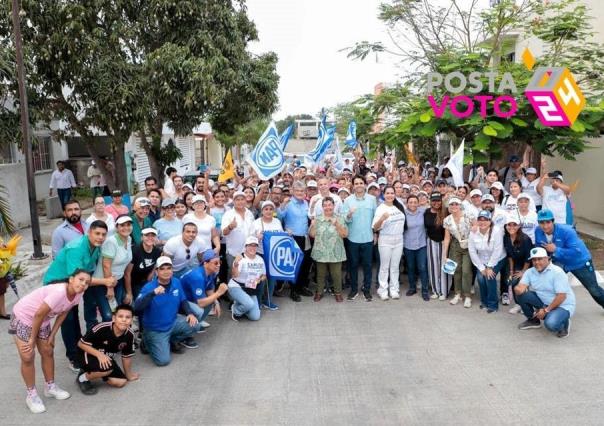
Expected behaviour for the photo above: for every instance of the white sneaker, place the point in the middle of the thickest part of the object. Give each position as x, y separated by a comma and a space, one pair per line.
472, 291
205, 324
35, 404
56, 393
395, 296
384, 297
515, 310
505, 299
455, 300
434, 296
442, 297
467, 303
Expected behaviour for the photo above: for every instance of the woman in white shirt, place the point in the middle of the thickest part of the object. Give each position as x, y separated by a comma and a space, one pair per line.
526, 216
488, 255
510, 201
389, 221
206, 224
99, 213
248, 271
266, 222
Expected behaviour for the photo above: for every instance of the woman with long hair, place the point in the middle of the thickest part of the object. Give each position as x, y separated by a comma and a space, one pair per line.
488, 255
180, 207
389, 221
266, 222
414, 247
518, 250
458, 225
497, 192
188, 197
433, 219
206, 224
217, 210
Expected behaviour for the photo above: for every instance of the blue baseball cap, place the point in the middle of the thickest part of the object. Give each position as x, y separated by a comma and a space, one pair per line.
208, 255
545, 215
485, 214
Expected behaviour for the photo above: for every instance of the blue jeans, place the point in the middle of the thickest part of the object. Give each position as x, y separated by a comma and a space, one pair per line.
244, 304
64, 195
417, 263
71, 333
266, 296
200, 313
158, 342
96, 297
360, 254
489, 294
555, 320
587, 276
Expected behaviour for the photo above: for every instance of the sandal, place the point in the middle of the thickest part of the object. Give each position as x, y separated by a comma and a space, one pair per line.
5, 317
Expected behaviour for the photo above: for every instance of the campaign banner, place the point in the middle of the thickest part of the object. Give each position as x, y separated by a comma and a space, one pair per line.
282, 256
267, 157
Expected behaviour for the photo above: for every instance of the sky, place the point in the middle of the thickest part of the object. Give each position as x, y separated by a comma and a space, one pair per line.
307, 36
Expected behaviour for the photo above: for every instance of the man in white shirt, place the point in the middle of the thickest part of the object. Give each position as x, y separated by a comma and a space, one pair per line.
169, 188
315, 205
529, 182
237, 224
62, 180
185, 250
555, 195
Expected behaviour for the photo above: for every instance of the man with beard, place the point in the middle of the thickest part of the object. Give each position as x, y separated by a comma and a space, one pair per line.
71, 228
62, 179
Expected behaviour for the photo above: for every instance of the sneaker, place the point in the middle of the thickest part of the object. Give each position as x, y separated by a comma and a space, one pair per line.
564, 332
368, 296
339, 297
395, 296
467, 303
35, 404
426, 297
410, 292
455, 300
352, 295
530, 323
86, 386
505, 299
201, 330
189, 343
442, 297
434, 296
212, 312
515, 310
490, 311
236, 318
56, 392
472, 291
75, 368
205, 324
270, 306
384, 297
176, 348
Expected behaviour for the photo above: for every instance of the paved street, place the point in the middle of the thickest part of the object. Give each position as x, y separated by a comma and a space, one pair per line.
396, 362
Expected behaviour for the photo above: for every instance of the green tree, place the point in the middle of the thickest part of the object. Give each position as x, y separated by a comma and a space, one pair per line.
291, 119
247, 133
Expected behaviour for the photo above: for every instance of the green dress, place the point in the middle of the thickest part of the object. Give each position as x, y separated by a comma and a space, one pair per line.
329, 246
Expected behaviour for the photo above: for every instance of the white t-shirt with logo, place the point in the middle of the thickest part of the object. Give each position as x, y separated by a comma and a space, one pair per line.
260, 226
530, 188
235, 241
205, 227
529, 224
555, 200
510, 203
392, 229
249, 271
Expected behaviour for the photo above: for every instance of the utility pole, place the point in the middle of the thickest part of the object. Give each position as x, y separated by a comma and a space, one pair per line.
26, 141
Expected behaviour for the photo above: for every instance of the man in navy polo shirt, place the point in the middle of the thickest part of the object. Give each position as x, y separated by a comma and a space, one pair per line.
158, 304
199, 286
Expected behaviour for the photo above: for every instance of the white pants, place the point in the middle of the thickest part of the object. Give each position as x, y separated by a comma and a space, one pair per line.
390, 258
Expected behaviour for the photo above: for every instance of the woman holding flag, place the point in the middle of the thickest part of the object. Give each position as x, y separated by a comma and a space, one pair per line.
266, 222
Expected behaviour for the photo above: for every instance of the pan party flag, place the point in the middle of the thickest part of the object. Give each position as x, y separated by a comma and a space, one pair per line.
283, 257
228, 168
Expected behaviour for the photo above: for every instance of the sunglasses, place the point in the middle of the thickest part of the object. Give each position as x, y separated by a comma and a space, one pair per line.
188, 254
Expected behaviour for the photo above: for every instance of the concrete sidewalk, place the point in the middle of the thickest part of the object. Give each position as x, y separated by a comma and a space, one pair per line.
405, 362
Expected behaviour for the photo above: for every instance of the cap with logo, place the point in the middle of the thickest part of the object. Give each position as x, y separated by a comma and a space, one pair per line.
454, 200
487, 197
198, 198
531, 171
435, 196
168, 202
545, 215
149, 231
485, 214
116, 193
538, 252
163, 260
497, 185
208, 255
475, 192
143, 201
311, 184
382, 181
556, 174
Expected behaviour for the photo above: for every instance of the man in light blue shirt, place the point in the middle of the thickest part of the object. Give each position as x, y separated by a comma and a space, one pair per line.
544, 293
358, 212
294, 215
71, 228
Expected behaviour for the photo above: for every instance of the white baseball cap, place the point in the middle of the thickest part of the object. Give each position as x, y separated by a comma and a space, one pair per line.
123, 219
524, 195
475, 192
149, 231
251, 240
143, 201
163, 260
382, 181
311, 184
454, 200
197, 198
487, 197
512, 218
538, 252
238, 194
373, 185
497, 185
531, 171
267, 203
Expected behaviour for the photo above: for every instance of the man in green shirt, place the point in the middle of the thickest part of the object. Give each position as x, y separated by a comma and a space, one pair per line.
81, 253
140, 219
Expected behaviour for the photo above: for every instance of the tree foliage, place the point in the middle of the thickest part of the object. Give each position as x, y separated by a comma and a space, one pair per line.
432, 38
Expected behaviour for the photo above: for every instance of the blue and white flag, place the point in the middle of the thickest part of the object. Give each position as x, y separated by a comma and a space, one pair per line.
324, 140
283, 257
284, 138
338, 163
351, 136
267, 157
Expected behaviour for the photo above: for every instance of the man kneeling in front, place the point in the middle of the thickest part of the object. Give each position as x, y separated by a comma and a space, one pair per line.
544, 293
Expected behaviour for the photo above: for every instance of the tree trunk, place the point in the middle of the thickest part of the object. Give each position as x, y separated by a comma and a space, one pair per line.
154, 166
119, 161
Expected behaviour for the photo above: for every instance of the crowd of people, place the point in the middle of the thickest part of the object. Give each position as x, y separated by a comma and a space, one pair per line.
151, 275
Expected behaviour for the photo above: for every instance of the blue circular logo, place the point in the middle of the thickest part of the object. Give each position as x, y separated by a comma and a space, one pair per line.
268, 152
283, 256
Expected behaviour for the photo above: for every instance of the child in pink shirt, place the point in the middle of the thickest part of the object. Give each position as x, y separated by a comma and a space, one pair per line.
30, 324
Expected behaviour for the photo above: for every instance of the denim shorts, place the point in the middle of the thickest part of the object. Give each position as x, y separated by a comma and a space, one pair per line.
23, 331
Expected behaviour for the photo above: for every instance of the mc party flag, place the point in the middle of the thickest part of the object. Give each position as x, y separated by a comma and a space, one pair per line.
351, 136
228, 168
267, 157
284, 138
455, 165
282, 256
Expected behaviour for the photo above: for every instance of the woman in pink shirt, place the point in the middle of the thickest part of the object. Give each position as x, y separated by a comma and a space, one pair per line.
116, 207
30, 324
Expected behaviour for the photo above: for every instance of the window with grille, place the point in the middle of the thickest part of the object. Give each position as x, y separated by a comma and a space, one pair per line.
6, 154
41, 153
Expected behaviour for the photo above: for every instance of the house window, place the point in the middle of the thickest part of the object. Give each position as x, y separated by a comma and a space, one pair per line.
41, 153
6, 154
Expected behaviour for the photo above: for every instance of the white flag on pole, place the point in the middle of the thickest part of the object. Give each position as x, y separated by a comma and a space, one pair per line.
455, 165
